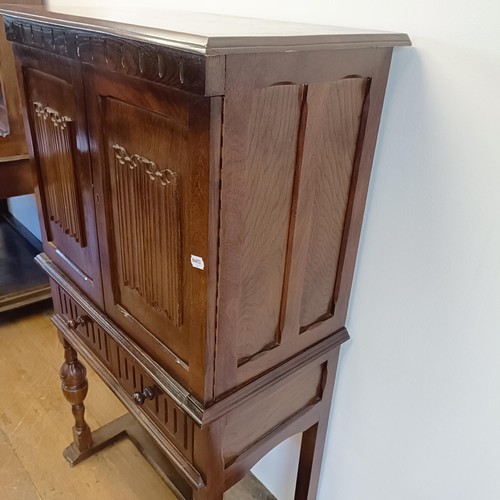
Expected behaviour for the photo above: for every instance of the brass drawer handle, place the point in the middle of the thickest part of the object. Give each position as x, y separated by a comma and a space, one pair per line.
72, 324
140, 397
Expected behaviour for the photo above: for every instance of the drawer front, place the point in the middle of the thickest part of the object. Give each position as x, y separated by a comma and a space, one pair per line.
159, 406
177, 426
76, 319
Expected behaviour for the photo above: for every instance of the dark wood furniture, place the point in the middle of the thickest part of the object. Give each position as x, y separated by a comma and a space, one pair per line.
201, 186
15, 171
21, 282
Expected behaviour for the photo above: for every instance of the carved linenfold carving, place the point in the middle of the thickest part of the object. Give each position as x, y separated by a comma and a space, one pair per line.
55, 141
149, 229
165, 176
46, 112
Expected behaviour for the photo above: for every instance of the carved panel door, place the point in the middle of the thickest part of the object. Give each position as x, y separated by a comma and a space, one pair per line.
152, 165
56, 112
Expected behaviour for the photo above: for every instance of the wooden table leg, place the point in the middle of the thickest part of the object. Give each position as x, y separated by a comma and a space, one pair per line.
74, 387
210, 458
313, 440
311, 455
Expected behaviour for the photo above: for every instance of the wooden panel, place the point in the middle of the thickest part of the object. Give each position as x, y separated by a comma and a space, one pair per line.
153, 188
265, 210
331, 68
205, 34
338, 107
286, 180
146, 170
256, 418
55, 109
12, 138
149, 231
175, 421
16, 177
55, 136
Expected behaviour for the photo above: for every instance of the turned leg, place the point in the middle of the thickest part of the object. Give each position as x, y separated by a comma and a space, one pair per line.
75, 386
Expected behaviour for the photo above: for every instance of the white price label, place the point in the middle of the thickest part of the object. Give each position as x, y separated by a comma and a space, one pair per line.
197, 262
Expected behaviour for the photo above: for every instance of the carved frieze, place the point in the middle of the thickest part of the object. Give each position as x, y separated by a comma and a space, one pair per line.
166, 65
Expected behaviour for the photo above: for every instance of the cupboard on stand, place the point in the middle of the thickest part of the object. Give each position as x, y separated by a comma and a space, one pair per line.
201, 182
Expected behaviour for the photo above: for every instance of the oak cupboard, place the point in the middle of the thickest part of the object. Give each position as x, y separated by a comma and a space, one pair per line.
201, 183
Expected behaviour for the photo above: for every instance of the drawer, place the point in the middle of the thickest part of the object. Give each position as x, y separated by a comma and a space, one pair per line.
76, 319
141, 390
179, 427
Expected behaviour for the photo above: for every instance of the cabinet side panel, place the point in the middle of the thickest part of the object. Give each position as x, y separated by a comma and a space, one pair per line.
269, 154
338, 106
256, 418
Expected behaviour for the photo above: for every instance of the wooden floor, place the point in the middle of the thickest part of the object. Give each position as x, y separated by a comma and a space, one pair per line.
36, 421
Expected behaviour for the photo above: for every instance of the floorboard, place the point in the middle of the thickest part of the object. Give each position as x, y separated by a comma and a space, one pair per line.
36, 421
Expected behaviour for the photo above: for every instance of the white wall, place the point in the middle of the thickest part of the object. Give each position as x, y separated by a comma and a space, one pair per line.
416, 414
23, 208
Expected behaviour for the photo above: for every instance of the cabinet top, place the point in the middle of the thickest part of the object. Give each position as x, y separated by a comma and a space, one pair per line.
207, 34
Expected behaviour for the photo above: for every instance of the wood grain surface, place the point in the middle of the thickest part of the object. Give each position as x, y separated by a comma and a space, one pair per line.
194, 32
265, 213
146, 178
36, 414
55, 153
151, 225
62, 165
332, 145
227, 226
35, 426
12, 139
